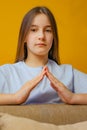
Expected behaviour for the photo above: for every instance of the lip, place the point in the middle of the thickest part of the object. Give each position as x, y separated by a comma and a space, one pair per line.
41, 44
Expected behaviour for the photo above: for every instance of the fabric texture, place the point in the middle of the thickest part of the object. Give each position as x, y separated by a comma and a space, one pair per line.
13, 76
9, 122
58, 114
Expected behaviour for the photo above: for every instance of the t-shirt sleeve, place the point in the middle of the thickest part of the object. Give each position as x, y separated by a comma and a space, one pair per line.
80, 82
3, 83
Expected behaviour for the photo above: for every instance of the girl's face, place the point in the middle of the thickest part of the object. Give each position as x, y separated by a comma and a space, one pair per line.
40, 37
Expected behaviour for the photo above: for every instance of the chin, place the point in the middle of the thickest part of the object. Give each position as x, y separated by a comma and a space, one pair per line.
41, 54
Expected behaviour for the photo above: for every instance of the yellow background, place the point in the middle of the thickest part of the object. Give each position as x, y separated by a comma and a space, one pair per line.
71, 17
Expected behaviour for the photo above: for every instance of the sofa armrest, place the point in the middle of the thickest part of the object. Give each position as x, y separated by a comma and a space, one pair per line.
50, 113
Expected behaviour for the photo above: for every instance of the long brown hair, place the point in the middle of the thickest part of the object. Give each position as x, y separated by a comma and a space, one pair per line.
25, 26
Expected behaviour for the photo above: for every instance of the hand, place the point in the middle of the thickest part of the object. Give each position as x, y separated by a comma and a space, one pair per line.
65, 94
24, 92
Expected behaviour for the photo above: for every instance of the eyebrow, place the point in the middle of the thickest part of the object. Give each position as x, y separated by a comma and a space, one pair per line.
44, 26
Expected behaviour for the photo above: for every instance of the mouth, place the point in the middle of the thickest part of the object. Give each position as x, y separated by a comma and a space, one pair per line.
40, 44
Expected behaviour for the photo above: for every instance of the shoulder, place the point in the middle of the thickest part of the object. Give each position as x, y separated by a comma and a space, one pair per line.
8, 67
66, 69
62, 70
61, 66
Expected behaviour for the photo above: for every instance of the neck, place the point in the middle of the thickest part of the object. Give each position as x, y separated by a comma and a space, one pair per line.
36, 61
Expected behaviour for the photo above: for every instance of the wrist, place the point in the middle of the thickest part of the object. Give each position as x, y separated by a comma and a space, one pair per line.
17, 99
14, 99
75, 98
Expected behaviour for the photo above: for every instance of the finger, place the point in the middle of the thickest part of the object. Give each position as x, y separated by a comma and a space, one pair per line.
54, 81
40, 76
50, 76
54, 87
44, 69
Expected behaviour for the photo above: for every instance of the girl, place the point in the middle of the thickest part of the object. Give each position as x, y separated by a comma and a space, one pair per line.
37, 76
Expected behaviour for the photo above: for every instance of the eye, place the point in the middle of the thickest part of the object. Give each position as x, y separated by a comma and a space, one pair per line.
33, 29
48, 30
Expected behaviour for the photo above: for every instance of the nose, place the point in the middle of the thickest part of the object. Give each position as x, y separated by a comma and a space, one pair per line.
41, 34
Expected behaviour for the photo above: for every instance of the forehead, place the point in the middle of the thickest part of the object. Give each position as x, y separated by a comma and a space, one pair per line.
41, 19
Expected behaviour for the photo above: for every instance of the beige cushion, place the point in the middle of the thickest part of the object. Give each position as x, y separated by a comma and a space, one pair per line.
10, 122
58, 114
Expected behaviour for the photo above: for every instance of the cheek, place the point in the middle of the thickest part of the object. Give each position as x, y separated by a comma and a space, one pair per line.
50, 41
50, 38
29, 39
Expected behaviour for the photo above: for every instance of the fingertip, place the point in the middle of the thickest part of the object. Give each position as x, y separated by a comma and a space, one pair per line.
45, 67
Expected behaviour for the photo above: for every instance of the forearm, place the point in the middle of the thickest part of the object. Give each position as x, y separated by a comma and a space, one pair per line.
79, 99
17, 98
7, 99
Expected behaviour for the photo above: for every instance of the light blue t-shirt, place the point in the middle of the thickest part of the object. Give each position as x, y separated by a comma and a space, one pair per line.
13, 76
